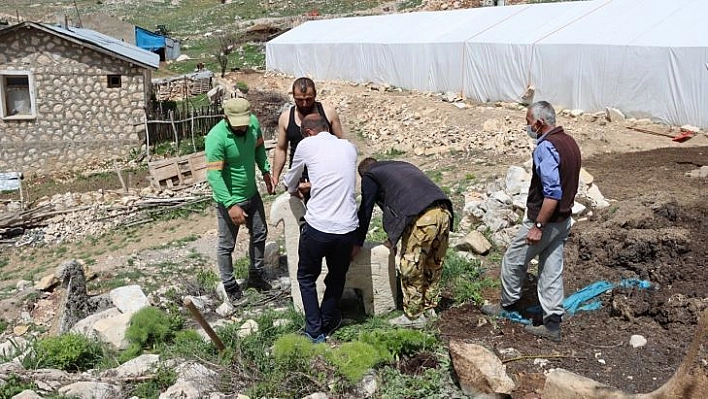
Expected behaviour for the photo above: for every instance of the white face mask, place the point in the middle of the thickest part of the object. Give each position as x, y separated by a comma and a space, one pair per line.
531, 133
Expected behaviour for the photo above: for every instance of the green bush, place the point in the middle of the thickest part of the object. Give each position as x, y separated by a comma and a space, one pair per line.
391, 344
150, 328
426, 385
69, 352
354, 359
14, 385
164, 378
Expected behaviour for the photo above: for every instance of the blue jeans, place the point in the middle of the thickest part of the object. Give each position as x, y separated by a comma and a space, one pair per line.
550, 267
258, 230
336, 249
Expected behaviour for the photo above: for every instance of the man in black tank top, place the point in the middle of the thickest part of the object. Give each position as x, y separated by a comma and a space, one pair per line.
289, 135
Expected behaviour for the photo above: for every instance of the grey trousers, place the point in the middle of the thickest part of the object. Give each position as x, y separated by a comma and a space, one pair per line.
550, 267
258, 231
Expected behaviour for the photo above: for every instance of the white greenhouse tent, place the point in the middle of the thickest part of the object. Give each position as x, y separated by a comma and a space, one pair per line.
648, 58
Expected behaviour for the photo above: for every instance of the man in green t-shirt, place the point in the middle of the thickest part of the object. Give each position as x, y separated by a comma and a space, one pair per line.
233, 147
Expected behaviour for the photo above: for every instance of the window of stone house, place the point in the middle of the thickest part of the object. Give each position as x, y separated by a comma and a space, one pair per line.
17, 99
114, 81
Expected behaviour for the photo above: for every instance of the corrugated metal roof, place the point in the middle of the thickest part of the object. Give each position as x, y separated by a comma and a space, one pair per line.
109, 43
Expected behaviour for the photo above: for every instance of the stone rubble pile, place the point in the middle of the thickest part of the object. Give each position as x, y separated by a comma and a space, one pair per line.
500, 206
71, 216
391, 126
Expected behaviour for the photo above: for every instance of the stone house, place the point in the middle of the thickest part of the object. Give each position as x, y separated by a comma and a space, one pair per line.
69, 97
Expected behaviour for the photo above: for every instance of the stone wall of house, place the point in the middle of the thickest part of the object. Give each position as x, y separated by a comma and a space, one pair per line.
79, 119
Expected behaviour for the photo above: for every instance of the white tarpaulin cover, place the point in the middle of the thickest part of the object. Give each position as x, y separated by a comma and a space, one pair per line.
644, 57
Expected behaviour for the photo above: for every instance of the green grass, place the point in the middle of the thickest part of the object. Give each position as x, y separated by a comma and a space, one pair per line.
463, 278
408, 4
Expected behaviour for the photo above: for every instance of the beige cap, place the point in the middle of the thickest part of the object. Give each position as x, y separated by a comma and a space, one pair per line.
238, 111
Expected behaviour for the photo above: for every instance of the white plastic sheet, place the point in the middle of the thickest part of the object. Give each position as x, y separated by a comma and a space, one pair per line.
645, 57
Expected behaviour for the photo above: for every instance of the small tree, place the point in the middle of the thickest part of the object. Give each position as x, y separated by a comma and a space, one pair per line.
226, 46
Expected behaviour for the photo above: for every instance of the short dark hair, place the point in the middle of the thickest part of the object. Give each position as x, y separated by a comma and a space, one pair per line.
315, 122
302, 84
365, 164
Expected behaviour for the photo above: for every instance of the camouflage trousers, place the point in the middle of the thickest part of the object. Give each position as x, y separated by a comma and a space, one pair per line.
423, 246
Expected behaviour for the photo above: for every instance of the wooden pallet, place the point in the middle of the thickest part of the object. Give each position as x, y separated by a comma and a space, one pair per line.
178, 172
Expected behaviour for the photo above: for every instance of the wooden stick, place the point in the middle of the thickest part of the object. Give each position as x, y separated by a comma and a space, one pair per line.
120, 177
200, 319
649, 132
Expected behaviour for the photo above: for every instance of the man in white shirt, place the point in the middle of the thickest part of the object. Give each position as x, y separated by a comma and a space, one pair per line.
331, 221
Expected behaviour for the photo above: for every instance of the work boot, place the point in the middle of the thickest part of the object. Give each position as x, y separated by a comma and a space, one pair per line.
236, 297
404, 321
320, 339
259, 284
544, 332
332, 326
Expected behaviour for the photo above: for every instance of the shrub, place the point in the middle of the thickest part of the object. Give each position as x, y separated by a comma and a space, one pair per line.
164, 378
69, 352
354, 359
391, 344
14, 385
150, 328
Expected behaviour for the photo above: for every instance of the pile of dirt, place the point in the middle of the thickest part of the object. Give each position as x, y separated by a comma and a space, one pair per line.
660, 237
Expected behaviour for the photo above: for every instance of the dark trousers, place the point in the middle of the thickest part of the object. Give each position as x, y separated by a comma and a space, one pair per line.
336, 249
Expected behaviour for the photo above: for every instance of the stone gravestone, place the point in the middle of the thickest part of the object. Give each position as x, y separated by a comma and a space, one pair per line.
372, 272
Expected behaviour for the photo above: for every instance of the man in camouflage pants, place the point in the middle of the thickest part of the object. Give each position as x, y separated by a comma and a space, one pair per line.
417, 212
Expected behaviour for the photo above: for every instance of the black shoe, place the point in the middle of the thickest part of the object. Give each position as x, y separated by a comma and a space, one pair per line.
236, 297
544, 332
332, 326
259, 284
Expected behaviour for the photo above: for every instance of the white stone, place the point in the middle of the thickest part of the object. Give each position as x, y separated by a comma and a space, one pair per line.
90, 390
578, 208
368, 385
141, 365
637, 341
225, 309
585, 177
372, 271
27, 394
690, 128
562, 384
479, 370
501, 196
247, 328
476, 242
129, 299
46, 283
614, 115
22, 284
317, 395
517, 180
85, 325
596, 198
112, 330
194, 381
13, 347
576, 113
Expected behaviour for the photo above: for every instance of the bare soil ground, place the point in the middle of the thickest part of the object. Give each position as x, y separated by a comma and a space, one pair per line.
657, 230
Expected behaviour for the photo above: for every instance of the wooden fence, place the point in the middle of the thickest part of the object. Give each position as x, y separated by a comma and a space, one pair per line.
176, 125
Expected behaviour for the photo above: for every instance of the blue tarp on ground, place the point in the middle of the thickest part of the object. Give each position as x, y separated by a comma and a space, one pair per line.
583, 299
148, 40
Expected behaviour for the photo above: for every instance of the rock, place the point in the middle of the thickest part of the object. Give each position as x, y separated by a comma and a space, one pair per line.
700, 173
562, 384
27, 394
12, 347
476, 242
281, 322
493, 222
595, 196
317, 395
492, 125
578, 209
585, 177
247, 328
85, 325
367, 386
20, 330
517, 180
690, 128
214, 326
46, 283
141, 365
112, 330
479, 370
225, 309
501, 196
271, 257
576, 113
637, 341
614, 115
449, 97
129, 299
22, 284
90, 390
194, 381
